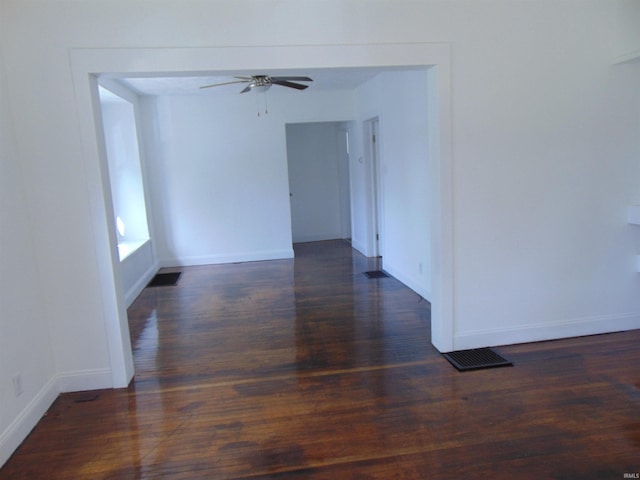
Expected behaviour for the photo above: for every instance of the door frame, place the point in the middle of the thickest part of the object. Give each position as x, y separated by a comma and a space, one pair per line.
89, 63
376, 208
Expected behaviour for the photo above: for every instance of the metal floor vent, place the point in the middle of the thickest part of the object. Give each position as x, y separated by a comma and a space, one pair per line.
164, 279
376, 274
476, 359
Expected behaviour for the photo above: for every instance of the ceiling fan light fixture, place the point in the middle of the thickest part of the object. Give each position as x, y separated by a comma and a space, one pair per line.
260, 88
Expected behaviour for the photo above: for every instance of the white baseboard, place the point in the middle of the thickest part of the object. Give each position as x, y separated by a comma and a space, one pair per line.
96, 379
31, 414
142, 282
546, 331
413, 284
227, 258
360, 247
321, 237
28, 418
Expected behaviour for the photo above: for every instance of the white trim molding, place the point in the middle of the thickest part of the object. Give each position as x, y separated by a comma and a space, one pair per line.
95, 379
226, 258
567, 328
27, 419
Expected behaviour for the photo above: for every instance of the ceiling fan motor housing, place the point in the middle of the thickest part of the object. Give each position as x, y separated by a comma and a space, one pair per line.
260, 83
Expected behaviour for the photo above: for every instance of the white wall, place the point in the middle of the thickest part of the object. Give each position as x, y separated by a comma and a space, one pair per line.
405, 177
545, 154
25, 348
218, 172
546, 161
360, 178
399, 101
626, 42
314, 160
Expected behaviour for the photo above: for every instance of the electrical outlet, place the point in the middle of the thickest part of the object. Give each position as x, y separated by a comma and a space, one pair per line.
17, 385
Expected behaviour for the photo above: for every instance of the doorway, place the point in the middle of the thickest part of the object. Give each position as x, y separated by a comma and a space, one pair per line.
318, 167
377, 186
86, 62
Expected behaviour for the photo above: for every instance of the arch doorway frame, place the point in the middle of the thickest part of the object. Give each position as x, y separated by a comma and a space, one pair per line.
89, 63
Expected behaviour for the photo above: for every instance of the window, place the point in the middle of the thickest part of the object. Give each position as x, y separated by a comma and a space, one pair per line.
125, 174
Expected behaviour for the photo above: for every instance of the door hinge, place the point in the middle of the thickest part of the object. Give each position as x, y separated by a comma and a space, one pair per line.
377, 237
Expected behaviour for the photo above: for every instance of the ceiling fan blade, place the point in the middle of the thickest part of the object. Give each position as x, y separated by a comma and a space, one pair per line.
286, 83
246, 89
225, 83
295, 79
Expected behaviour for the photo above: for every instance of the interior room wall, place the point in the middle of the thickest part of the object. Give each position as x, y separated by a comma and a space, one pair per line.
344, 180
626, 41
360, 189
218, 172
26, 356
546, 163
399, 101
314, 160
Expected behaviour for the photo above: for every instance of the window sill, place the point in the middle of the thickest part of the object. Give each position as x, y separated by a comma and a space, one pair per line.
125, 249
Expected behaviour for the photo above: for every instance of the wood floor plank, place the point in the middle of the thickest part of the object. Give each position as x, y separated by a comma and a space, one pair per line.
306, 369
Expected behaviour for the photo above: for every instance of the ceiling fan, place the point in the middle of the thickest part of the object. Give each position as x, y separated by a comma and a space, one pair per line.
262, 83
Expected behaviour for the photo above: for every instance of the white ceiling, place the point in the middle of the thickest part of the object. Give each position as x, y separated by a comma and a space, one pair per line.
189, 84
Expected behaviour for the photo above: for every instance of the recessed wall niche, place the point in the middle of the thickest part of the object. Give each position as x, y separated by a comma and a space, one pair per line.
125, 174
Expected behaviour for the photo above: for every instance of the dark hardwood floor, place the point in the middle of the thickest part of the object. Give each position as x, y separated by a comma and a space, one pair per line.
306, 369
